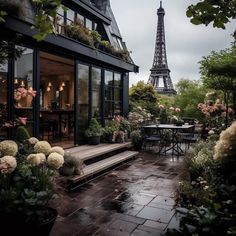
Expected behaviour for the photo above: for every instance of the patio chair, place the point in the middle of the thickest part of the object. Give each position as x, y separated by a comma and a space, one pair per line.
151, 141
191, 138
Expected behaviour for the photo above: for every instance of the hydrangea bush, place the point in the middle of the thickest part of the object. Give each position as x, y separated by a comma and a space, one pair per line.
26, 177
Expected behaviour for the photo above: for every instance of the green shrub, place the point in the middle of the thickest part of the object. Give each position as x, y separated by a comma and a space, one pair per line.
22, 134
136, 138
94, 129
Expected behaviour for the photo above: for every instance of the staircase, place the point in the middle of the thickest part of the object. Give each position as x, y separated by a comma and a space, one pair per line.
98, 160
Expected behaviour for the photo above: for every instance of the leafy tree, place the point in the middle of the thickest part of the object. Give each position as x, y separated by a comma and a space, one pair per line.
144, 95
143, 92
218, 72
220, 12
189, 94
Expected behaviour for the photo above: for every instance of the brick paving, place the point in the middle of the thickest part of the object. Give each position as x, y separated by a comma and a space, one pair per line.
136, 199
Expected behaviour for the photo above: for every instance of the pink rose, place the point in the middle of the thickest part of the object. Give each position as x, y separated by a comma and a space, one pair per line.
22, 120
177, 110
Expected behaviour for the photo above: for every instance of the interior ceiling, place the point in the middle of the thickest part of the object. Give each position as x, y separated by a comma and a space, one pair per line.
54, 65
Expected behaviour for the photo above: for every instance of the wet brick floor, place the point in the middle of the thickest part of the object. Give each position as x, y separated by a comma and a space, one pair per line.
136, 199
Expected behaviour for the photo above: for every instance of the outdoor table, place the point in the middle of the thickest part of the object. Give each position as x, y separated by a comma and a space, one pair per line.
175, 131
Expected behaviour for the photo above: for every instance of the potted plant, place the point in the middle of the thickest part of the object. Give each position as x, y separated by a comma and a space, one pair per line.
94, 132
109, 130
26, 174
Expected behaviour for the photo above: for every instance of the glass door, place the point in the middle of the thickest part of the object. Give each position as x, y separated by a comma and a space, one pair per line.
82, 101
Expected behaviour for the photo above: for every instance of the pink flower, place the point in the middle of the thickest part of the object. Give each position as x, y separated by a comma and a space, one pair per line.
223, 114
22, 120
230, 110
177, 110
8, 125
161, 107
31, 92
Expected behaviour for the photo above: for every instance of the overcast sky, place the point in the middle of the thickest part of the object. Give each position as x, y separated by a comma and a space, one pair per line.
186, 43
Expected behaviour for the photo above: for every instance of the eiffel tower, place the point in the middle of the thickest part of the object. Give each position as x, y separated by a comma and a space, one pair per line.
160, 72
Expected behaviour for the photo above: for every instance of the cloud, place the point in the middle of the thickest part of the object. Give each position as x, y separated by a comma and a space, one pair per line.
186, 43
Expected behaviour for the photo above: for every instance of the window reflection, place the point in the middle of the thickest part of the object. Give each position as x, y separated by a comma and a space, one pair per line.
112, 94
83, 100
88, 24
23, 83
96, 92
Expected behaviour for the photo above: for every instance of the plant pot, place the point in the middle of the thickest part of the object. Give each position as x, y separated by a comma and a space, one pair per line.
95, 140
67, 170
28, 221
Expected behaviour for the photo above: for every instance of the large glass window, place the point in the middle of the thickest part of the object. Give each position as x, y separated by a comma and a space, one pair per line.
23, 84
96, 92
112, 94
3, 99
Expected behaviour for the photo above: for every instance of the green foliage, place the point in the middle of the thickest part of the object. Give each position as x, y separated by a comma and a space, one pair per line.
199, 158
144, 95
109, 129
8, 50
218, 70
189, 94
94, 129
217, 11
45, 11
78, 32
22, 134
136, 138
143, 92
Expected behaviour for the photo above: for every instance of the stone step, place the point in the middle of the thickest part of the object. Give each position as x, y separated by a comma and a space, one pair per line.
101, 166
87, 152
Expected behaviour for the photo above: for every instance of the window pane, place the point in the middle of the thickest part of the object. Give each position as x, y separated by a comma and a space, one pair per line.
117, 94
83, 101
23, 86
117, 108
108, 109
96, 92
108, 78
117, 79
70, 15
88, 24
108, 93
3, 99
80, 18
23, 83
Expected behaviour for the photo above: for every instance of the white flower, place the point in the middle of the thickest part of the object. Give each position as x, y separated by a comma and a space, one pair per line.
33, 140
211, 132
33, 159
42, 157
42, 147
58, 150
10, 161
55, 160
8, 148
